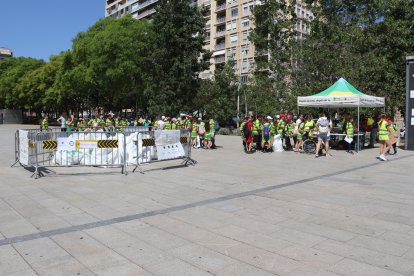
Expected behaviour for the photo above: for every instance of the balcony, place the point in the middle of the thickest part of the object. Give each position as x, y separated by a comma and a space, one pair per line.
220, 34
220, 59
220, 46
221, 20
146, 13
221, 7
146, 4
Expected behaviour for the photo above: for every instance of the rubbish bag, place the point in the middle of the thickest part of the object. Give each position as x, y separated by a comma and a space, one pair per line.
277, 144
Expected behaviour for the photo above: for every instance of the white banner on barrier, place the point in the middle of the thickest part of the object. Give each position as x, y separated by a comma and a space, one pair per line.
170, 151
64, 143
166, 137
168, 144
24, 147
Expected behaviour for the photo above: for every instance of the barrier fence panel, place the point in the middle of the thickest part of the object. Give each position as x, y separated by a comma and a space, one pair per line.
71, 149
161, 145
130, 146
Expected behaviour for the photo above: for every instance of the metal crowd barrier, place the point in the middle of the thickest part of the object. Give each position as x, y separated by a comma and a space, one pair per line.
132, 146
152, 149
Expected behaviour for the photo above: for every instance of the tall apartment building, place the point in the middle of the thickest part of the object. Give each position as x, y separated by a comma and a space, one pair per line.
229, 23
5, 53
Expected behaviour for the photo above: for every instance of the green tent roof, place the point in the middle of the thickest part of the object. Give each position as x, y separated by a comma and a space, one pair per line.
340, 88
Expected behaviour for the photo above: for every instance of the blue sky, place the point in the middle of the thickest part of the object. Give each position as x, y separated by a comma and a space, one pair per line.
40, 28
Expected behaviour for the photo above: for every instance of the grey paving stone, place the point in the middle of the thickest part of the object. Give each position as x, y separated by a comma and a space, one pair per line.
12, 262
123, 270
260, 258
380, 245
354, 268
242, 269
176, 267
160, 238
202, 257
317, 229
409, 254
311, 257
405, 239
40, 251
297, 237
337, 199
381, 260
143, 254
259, 240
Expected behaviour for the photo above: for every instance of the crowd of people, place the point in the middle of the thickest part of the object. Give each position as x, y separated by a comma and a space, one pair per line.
202, 131
261, 133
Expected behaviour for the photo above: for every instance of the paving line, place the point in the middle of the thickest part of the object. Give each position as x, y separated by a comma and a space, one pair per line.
86, 226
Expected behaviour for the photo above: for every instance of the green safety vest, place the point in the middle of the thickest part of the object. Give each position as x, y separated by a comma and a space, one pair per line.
308, 125
257, 126
383, 131
45, 124
167, 126
349, 129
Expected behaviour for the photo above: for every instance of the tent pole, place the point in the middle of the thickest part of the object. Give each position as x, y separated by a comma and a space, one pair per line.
357, 147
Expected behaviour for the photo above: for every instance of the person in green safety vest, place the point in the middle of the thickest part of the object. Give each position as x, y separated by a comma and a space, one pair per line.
44, 125
384, 137
194, 130
201, 131
308, 126
256, 131
83, 123
289, 129
243, 133
299, 135
349, 131
174, 124
267, 134
394, 136
167, 122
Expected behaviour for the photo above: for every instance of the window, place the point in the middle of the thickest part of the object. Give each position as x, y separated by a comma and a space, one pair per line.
232, 26
244, 79
234, 12
233, 39
245, 51
245, 36
231, 53
245, 22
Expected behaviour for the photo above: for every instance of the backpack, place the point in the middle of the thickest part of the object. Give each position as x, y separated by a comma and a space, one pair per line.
324, 126
201, 130
266, 132
246, 131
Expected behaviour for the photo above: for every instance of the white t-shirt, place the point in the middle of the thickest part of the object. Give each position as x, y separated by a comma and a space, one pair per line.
62, 122
161, 124
322, 120
298, 122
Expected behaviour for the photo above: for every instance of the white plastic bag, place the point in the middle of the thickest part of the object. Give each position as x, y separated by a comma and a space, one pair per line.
277, 144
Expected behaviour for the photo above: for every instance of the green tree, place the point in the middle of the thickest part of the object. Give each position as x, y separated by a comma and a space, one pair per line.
177, 57
364, 41
218, 97
274, 40
112, 56
12, 71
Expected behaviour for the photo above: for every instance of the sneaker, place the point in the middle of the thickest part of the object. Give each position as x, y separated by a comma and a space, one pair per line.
382, 157
316, 156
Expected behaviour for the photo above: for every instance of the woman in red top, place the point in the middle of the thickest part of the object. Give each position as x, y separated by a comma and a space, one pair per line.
249, 138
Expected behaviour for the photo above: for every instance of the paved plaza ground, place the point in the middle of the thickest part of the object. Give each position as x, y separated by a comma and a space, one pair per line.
231, 214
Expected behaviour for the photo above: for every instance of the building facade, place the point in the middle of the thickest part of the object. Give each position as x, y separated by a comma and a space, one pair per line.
229, 23
5, 53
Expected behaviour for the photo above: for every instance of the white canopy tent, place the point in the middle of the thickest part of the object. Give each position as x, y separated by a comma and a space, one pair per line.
341, 95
